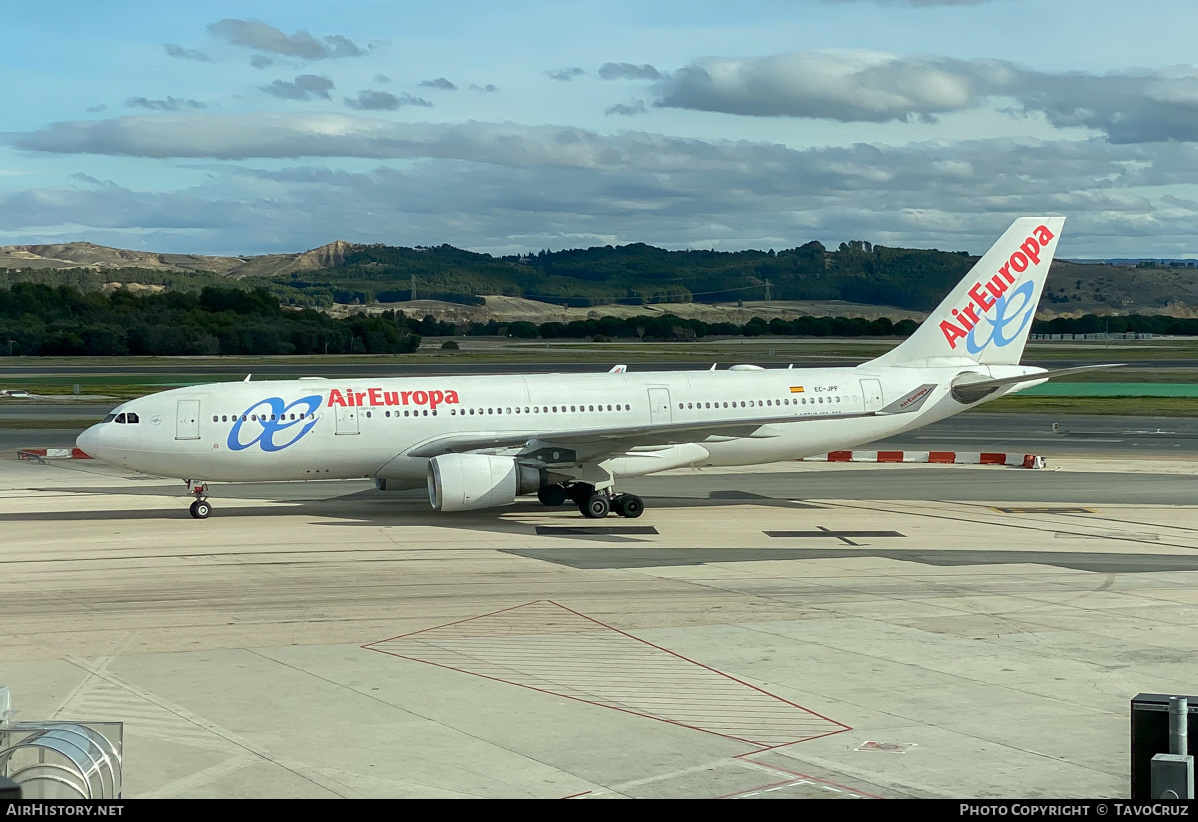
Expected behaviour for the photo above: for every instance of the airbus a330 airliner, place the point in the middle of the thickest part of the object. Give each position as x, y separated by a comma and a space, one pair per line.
481, 441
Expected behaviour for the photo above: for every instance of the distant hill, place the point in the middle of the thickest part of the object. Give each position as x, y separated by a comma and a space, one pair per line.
89, 255
636, 274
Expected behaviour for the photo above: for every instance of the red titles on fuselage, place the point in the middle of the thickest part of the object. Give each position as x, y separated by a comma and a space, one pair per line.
377, 396
984, 295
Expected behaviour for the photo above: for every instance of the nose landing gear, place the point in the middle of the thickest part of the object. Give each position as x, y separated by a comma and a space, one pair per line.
200, 508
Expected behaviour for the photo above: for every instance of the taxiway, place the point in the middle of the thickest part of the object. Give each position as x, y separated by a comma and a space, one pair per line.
802, 630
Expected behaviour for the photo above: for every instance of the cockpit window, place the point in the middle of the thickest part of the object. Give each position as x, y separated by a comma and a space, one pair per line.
132, 418
110, 418
120, 418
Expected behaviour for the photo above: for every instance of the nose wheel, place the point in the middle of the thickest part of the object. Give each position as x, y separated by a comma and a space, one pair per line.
200, 508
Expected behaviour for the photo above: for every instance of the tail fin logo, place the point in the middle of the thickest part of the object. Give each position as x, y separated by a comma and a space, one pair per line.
1015, 307
1004, 315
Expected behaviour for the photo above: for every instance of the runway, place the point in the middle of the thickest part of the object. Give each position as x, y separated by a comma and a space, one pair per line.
799, 630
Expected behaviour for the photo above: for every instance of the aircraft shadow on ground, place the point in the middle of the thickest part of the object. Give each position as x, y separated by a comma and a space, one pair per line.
371, 508
587, 558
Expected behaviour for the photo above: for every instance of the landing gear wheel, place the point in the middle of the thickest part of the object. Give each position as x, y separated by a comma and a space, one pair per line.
629, 505
597, 507
580, 492
200, 509
552, 495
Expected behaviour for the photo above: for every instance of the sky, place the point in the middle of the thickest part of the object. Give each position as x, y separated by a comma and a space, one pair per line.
268, 126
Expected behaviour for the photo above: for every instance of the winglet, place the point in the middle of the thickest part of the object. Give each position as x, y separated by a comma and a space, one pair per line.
618, 369
247, 377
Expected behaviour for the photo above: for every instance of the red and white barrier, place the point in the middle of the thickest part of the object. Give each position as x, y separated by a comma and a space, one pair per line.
943, 457
40, 454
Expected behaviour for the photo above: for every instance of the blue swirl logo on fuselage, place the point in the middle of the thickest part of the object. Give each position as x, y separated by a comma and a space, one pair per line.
268, 421
1009, 308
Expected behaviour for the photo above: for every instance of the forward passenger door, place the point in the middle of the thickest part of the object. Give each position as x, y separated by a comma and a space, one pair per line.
187, 420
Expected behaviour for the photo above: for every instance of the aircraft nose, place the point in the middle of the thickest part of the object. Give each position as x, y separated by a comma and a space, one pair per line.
89, 442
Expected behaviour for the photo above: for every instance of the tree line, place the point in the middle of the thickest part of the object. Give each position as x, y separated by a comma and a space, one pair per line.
38, 319
640, 274
1157, 324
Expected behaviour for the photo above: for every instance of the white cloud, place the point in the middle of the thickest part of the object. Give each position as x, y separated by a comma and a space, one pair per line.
257, 35
373, 100
177, 51
505, 187
628, 71
863, 86
440, 83
168, 104
626, 109
917, 3
842, 85
565, 75
304, 87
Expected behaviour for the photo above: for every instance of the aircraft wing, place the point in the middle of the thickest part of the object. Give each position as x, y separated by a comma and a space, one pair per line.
588, 444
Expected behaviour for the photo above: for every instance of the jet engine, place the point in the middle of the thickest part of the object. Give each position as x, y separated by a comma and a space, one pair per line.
465, 482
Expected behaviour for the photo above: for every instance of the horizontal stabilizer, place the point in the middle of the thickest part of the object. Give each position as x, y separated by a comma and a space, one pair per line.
968, 391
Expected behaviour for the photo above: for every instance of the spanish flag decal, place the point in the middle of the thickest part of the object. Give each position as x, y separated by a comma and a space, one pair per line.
796, 389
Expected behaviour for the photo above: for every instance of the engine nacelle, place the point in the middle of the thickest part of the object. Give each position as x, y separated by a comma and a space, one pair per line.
465, 482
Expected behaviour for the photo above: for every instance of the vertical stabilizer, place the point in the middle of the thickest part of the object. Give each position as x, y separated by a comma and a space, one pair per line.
988, 316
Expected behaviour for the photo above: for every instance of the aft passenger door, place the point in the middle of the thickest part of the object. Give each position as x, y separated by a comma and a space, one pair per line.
187, 420
659, 405
872, 391
347, 419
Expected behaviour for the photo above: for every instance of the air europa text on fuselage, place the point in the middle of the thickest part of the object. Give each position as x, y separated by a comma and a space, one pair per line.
986, 296
377, 396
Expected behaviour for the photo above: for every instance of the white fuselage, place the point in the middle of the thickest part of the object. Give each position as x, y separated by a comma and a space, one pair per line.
340, 429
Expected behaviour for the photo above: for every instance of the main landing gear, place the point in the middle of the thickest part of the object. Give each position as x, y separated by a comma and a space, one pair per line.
200, 508
591, 503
